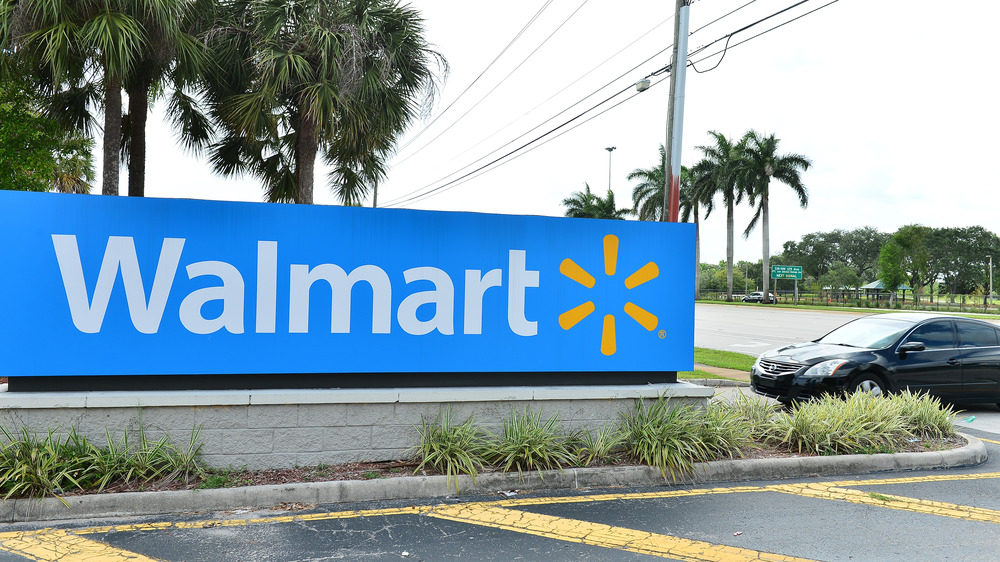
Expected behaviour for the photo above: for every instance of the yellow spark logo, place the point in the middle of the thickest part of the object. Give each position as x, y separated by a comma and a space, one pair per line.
573, 316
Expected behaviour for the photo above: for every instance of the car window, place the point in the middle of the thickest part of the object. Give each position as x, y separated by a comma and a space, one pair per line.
936, 335
971, 334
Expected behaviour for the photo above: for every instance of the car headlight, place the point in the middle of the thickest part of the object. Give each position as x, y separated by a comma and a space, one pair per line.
825, 369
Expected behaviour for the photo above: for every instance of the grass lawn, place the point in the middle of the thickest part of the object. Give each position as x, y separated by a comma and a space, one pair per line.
724, 359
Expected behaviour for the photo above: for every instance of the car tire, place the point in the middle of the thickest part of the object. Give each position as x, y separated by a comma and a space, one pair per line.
872, 384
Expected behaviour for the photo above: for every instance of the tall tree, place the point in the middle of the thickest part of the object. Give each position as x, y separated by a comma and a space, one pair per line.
715, 174
87, 47
760, 163
171, 53
647, 195
294, 80
647, 200
891, 270
586, 205
691, 204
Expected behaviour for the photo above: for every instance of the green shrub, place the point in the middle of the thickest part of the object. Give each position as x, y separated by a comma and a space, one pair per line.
664, 435
451, 449
600, 448
757, 413
528, 444
31, 466
855, 424
924, 415
724, 432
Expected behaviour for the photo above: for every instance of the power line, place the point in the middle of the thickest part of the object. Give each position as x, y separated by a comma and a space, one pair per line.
482, 170
500, 83
498, 159
568, 86
410, 197
473, 83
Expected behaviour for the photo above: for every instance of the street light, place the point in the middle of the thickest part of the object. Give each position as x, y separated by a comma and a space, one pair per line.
610, 149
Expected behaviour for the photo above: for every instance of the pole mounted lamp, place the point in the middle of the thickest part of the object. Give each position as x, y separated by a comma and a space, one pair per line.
610, 149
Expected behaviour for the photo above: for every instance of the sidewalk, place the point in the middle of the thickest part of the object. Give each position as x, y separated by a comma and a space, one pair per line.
734, 377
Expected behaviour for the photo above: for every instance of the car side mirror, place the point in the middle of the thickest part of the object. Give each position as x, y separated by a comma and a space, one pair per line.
910, 346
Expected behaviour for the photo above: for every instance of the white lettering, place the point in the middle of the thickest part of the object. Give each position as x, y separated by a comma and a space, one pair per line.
519, 279
340, 309
267, 286
442, 297
88, 315
475, 288
230, 293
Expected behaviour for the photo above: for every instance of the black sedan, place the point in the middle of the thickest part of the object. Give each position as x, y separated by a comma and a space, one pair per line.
956, 359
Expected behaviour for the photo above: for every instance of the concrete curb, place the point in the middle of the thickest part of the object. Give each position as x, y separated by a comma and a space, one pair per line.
717, 382
259, 497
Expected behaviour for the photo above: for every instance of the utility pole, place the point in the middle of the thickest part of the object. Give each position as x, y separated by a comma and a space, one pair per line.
675, 114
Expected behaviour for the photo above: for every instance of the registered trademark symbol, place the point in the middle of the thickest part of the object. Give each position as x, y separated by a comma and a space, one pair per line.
662, 334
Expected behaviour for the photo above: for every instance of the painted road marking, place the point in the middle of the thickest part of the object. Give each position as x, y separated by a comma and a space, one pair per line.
901, 503
597, 534
64, 546
990, 441
53, 544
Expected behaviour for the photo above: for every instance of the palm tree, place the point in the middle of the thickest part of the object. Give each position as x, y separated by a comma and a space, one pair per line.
171, 50
647, 195
691, 202
715, 174
586, 205
760, 163
647, 200
83, 50
293, 80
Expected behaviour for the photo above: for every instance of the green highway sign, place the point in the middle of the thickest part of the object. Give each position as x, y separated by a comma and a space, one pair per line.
786, 272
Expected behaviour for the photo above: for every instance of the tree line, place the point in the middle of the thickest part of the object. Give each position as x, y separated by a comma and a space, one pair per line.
261, 87
942, 262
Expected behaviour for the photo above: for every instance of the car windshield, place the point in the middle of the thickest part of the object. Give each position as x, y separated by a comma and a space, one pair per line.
870, 332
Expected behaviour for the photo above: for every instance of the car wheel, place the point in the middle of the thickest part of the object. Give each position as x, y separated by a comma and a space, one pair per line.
871, 384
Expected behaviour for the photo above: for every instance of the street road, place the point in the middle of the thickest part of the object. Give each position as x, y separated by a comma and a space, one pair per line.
754, 329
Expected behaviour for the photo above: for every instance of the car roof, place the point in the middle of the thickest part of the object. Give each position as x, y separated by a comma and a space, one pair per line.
917, 317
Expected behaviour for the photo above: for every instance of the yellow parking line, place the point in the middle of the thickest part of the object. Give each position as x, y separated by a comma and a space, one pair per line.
597, 534
55, 544
916, 479
942, 509
990, 441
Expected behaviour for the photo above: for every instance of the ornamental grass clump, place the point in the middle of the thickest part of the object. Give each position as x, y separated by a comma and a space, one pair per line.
33, 466
667, 436
451, 449
724, 432
602, 448
925, 416
858, 423
528, 444
757, 413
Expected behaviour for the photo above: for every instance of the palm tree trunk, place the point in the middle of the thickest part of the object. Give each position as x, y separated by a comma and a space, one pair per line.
697, 256
112, 135
729, 251
306, 146
138, 109
766, 236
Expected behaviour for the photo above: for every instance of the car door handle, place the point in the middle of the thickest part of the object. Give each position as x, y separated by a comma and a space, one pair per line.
954, 362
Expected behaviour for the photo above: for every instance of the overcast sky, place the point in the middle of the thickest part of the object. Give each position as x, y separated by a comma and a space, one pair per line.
892, 100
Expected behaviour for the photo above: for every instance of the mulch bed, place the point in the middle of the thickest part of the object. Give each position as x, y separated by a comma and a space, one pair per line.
402, 468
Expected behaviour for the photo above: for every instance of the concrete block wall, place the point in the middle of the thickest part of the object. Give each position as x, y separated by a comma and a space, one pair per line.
282, 429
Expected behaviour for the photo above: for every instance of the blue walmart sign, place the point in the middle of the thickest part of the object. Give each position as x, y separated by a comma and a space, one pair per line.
114, 285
